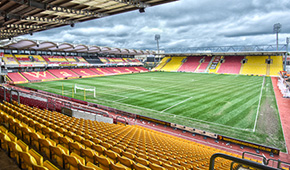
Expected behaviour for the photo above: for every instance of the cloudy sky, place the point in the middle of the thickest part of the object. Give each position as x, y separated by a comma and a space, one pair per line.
186, 23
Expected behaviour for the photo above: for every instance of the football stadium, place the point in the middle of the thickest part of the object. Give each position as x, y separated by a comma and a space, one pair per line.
88, 107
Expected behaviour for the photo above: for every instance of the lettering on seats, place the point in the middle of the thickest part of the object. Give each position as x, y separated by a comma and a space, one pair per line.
82, 71
65, 74
116, 70
37, 74
100, 70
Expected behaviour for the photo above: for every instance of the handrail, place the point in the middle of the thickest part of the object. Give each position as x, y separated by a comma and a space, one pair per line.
121, 118
4, 90
279, 162
18, 99
50, 103
238, 160
262, 156
69, 104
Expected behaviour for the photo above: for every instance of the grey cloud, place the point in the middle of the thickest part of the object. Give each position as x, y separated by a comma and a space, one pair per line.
185, 23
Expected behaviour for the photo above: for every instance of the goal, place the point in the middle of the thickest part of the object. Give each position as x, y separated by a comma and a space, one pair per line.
85, 88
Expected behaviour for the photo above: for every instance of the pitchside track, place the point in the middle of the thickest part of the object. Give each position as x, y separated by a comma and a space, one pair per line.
238, 106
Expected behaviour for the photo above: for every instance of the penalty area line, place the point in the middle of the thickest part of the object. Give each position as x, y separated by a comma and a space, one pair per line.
175, 105
258, 109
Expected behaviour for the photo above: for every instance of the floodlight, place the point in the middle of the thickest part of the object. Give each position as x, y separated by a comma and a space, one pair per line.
277, 29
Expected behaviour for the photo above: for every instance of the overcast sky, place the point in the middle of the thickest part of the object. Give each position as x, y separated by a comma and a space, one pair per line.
185, 23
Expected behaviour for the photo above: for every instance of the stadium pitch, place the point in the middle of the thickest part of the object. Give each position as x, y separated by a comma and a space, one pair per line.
238, 106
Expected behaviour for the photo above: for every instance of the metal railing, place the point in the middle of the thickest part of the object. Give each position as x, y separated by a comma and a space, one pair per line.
239, 161
121, 118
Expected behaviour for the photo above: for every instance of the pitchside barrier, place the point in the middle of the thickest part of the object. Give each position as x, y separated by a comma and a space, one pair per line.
249, 144
193, 130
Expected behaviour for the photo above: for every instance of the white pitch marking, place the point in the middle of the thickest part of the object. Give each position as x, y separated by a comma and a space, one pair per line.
175, 105
258, 109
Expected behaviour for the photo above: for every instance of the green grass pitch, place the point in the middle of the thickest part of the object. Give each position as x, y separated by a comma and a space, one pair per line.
238, 106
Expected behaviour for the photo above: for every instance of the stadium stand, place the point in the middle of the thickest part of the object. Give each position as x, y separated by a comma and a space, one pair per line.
119, 61
73, 143
231, 64
38, 76
17, 78
124, 69
162, 63
63, 73
101, 71
173, 64
29, 59
84, 72
215, 64
104, 60
76, 60
255, 65
94, 60
10, 60
55, 59
276, 65
191, 64
114, 70
137, 69
203, 66
140, 68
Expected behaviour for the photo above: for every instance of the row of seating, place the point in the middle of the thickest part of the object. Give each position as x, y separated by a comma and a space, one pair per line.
108, 146
22, 77
107, 60
256, 65
18, 59
25, 156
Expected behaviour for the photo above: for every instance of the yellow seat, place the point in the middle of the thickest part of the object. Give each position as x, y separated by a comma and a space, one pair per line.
141, 155
100, 149
56, 154
156, 161
38, 127
129, 155
89, 166
63, 140
12, 136
111, 155
49, 165
141, 161
125, 161
25, 134
46, 131
54, 136
138, 166
88, 154
4, 141
75, 147
103, 162
39, 167
44, 146
153, 166
26, 161
71, 162
77, 138
169, 167
117, 150
119, 167
14, 148
87, 143
34, 138
37, 156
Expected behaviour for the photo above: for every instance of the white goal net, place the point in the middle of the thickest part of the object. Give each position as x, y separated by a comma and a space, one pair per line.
85, 89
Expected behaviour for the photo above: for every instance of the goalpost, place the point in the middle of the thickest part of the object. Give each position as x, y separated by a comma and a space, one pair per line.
85, 88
